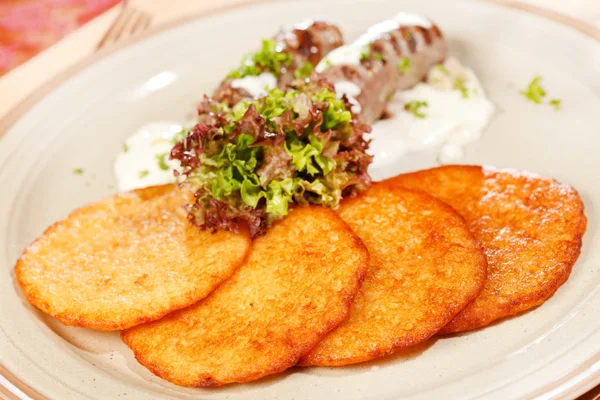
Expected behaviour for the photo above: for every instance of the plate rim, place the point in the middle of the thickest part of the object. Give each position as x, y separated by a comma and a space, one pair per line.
579, 381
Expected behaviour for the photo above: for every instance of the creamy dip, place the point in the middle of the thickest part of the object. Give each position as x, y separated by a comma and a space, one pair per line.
256, 86
144, 160
456, 114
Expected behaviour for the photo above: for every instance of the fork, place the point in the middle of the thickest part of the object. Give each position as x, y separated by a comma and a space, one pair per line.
130, 21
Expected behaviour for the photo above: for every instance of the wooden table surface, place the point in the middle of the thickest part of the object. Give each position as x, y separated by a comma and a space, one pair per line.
23, 80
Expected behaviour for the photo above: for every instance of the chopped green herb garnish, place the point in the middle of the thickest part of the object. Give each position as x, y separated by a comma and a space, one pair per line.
403, 65
415, 106
408, 35
125, 147
535, 92
304, 71
459, 84
364, 54
162, 161
442, 69
556, 103
367, 51
144, 173
77, 171
269, 59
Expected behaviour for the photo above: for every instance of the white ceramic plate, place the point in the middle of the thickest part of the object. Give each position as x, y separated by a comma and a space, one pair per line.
552, 351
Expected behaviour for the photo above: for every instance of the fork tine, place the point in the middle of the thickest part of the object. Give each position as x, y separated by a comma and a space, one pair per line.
148, 21
141, 23
122, 26
115, 28
109, 33
129, 21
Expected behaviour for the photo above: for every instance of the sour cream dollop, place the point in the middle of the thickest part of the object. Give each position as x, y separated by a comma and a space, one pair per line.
256, 86
457, 113
144, 160
384, 27
347, 54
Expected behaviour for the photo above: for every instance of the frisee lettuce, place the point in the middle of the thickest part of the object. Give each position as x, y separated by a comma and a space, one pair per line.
253, 160
308, 157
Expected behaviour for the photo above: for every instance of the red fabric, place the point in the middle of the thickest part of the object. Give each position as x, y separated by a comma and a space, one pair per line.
29, 26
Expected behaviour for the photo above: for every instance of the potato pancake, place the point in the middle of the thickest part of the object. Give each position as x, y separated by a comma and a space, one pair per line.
127, 259
297, 284
530, 227
425, 267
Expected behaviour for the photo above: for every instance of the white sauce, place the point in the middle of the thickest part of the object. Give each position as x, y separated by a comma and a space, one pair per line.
348, 54
376, 31
380, 29
351, 90
142, 149
351, 54
451, 121
406, 19
256, 86
304, 25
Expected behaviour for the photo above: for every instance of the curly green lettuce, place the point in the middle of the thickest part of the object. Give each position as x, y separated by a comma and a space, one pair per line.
247, 164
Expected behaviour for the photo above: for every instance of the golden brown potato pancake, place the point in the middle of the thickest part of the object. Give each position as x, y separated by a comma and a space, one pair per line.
425, 267
530, 227
297, 284
127, 259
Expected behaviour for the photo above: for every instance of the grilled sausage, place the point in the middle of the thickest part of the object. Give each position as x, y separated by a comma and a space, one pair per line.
306, 42
393, 55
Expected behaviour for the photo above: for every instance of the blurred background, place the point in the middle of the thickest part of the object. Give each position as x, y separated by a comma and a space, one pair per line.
27, 27
39, 39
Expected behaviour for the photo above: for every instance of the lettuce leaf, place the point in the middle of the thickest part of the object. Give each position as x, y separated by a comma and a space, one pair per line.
307, 156
279, 195
249, 163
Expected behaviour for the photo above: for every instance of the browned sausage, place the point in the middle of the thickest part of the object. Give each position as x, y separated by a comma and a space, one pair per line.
393, 56
306, 42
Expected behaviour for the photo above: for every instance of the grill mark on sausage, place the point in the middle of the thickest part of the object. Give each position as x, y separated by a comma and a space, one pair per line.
409, 38
424, 47
436, 32
425, 34
397, 43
